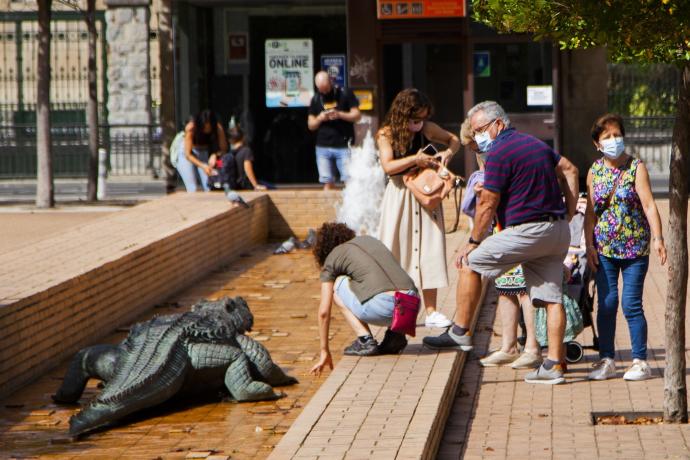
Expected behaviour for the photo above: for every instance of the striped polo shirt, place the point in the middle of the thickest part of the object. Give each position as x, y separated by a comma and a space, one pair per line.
522, 169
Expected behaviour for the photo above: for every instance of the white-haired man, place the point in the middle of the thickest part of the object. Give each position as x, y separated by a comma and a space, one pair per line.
522, 190
332, 114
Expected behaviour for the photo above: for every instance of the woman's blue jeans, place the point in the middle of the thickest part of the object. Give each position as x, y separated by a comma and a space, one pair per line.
188, 171
634, 272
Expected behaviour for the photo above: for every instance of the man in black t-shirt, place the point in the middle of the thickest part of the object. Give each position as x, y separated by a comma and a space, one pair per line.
332, 114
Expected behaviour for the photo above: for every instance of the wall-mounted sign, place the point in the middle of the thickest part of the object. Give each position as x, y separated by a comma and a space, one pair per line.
336, 66
408, 9
482, 64
365, 98
289, 72
540, 95
238, 47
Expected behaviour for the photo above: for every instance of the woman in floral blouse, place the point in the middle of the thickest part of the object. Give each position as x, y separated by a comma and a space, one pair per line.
621, 221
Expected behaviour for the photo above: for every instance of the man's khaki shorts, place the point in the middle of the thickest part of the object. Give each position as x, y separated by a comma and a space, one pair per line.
540, 247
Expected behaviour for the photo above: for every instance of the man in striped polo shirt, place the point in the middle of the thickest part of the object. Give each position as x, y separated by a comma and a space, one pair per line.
522, 190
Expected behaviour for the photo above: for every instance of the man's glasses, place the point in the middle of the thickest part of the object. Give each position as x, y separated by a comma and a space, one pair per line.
484, 127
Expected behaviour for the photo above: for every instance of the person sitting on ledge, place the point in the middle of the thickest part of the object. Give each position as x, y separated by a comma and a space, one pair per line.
361, 275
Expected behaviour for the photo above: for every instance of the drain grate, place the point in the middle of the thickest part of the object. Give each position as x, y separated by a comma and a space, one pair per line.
627, 418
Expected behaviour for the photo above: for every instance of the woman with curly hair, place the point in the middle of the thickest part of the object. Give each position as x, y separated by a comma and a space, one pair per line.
415, 236
361, 276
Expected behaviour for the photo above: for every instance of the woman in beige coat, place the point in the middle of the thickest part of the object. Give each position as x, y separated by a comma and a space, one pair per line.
413, 234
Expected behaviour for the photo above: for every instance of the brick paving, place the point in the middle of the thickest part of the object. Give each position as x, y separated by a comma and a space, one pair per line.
282, 292
497, 415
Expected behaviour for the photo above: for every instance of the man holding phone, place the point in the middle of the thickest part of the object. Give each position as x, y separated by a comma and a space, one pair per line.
332, 114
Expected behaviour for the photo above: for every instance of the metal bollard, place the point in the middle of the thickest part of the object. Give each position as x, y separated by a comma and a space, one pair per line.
102, 171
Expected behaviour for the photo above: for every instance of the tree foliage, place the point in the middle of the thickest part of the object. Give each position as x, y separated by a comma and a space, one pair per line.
632, 30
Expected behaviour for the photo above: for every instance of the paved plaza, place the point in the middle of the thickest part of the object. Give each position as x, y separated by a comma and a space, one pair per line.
493, 414
497, 415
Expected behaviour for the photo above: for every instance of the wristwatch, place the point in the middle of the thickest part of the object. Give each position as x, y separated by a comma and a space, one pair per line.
473, 241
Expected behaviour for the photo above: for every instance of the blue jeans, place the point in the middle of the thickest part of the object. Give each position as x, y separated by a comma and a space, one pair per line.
377, 311
330, 158
187, 170
634, 272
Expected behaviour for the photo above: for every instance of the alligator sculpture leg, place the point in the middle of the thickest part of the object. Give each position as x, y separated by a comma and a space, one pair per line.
93, 362
262, 363
240, 383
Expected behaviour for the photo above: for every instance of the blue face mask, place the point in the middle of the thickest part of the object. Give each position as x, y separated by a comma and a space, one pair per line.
483, 139
612, 147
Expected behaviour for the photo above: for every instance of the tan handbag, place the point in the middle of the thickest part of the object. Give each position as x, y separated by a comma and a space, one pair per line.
430, 186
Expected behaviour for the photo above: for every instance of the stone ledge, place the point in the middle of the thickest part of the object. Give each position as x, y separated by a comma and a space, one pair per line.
393, 406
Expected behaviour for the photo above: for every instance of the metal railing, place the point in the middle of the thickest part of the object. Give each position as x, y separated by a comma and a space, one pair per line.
650, 139
133, 150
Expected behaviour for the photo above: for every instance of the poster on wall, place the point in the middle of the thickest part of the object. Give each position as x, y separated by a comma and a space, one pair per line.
482, 64
407, 9
540, 95
238, 48
335, 65
289, 72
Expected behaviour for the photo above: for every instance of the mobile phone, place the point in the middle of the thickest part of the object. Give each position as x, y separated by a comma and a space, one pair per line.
430, 150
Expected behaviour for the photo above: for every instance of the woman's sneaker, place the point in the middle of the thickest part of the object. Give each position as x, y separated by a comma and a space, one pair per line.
639, 370
437, 319
604, 369
367, 348
498, 358
527, 361
552, 376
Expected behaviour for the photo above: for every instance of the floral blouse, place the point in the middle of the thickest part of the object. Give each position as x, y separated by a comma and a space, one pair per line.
622, 230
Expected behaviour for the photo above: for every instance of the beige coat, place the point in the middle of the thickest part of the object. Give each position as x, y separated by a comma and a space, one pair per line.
415, 236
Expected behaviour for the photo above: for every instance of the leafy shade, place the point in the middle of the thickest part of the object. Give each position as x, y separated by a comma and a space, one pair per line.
632, 30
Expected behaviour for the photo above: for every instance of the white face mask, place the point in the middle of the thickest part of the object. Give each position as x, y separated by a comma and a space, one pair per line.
483, 139
612, 147
415, 127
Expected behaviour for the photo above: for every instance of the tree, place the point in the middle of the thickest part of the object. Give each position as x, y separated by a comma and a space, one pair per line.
92, 106
165, 40
45, 193
638, 31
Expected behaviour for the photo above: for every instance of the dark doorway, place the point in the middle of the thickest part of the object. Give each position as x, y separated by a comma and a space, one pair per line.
282, 144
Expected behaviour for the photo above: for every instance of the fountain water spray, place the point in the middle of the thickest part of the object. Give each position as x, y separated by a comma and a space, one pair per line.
360, 209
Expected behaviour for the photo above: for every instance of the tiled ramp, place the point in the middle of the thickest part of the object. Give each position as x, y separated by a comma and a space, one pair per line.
382, 407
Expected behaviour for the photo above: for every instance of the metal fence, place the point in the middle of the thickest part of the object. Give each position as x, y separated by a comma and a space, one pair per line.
132, 150
645, 95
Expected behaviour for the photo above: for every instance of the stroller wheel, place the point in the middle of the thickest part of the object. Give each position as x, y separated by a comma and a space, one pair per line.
573, 352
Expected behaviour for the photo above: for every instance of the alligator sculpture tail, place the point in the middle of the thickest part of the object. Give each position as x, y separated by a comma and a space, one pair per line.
150, 372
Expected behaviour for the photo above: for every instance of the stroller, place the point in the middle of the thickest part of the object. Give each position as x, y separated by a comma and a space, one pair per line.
578, 294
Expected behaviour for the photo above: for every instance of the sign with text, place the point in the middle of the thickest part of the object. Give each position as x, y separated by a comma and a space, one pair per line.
482, 64
289, 72
365, 98
419, 9
238, 47
336, 66
539, 95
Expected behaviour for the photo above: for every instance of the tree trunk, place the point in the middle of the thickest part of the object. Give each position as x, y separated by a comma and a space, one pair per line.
167, 77
45, 193
92, 108
675, 390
